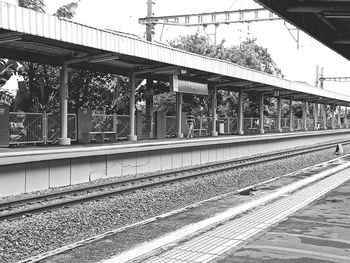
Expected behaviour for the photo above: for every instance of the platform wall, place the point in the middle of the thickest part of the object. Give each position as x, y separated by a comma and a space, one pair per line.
27, 177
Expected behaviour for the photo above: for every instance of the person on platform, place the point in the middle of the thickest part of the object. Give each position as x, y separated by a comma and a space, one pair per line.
190, 124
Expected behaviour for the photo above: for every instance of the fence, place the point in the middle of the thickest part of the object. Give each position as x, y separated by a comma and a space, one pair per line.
103, 123
33, 128
115, 125
44, 128
26, 128
53, 130
123, 126
170, 123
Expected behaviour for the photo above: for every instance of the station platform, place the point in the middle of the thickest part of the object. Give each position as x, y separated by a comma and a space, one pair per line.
318, 233
305, 221
49, 152
36, 168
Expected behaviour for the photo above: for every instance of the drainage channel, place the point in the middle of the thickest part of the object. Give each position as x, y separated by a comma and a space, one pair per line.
240, 224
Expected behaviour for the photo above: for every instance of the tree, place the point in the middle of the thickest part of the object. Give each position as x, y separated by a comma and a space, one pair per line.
67, 11
86, 88
8, 69
247, 54
37, 5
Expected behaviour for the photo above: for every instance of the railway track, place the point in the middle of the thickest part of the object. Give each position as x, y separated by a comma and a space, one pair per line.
38, 203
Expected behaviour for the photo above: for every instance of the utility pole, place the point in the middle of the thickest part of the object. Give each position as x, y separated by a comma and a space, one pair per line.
149, 84
317, 75
149, 27
321, 78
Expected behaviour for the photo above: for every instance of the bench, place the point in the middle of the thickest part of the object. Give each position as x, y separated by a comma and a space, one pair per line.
104, 136
200, 132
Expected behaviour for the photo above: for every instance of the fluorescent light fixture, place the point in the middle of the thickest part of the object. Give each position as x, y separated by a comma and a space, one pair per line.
103, 59
183, 71
337, 15
342, 41
9, 39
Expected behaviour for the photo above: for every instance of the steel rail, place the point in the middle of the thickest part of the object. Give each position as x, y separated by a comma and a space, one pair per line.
139, 183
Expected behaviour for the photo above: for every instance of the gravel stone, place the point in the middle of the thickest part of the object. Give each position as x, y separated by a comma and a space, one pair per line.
38, 233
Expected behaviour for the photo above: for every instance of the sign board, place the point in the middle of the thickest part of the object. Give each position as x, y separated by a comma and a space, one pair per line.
185, 86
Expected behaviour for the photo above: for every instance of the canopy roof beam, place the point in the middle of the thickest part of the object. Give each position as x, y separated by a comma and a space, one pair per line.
93, 58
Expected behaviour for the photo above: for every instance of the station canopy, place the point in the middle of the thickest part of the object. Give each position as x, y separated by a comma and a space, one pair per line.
325, 20
37, 37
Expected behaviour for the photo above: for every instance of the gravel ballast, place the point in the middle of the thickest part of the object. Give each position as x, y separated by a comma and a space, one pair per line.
32, 235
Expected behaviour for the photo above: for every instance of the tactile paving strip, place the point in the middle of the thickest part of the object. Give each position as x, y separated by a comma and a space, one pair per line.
211, 244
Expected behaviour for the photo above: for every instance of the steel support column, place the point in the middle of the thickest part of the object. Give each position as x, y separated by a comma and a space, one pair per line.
315, 116
333, 117
291, 115
339, 122
64, 140
279, 129
324, 115
214, 105
179, 134
304, 116
261, 121
132, 136
240, 113
346, 121
149, 108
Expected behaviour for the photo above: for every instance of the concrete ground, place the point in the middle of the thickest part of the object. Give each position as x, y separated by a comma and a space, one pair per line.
318, 233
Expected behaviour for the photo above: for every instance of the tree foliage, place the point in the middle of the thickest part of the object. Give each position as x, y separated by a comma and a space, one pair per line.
8, 68
86, 89
37, 5
110, 92
248, 54
67, 11
98, 91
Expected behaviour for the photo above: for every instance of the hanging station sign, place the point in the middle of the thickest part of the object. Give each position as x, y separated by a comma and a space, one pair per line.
185, 86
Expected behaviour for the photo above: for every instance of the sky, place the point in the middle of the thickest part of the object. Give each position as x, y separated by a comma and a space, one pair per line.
296, 64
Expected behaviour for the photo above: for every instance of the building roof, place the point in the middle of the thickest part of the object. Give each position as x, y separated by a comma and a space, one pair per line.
33, 36
325, 20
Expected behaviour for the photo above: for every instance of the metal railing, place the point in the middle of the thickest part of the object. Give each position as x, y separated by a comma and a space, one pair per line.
103, 123
53, 124
26, 128
117, 126
170, 123
123, 126
33, 128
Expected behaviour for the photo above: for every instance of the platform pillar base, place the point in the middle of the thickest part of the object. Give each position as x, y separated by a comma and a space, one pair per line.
132, 138
291, 129
279, 130
240, 132
214, 134
64, 141
262, 131
179, 135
